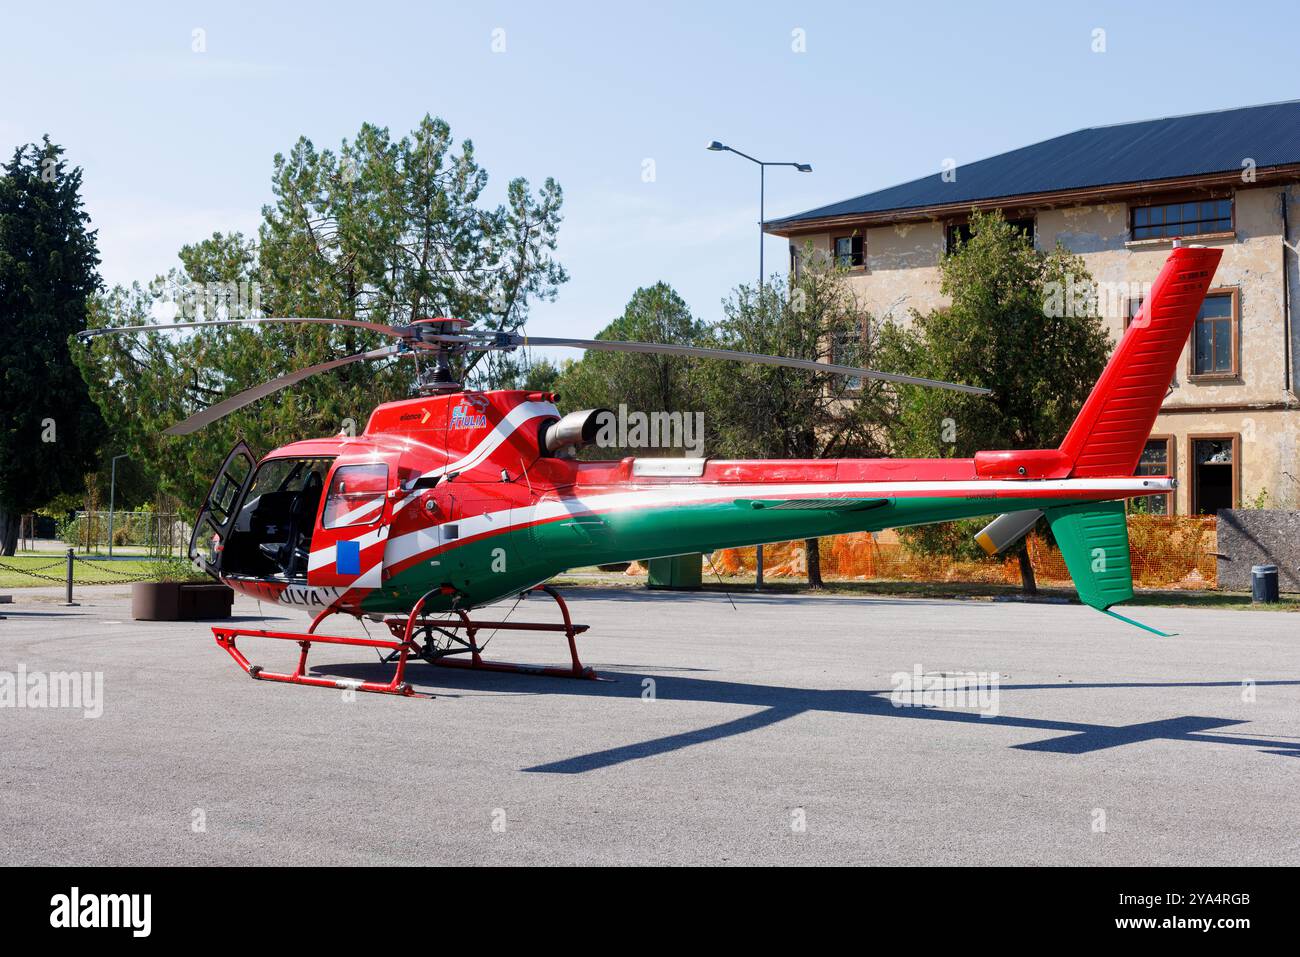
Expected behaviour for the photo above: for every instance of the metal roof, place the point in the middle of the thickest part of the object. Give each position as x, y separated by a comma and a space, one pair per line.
1168, 148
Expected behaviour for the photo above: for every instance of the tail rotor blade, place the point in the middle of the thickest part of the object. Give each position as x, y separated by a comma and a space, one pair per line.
1007, 529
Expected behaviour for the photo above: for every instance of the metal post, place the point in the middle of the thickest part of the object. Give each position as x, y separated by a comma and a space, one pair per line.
762, 201
112, 492
762, 216
70, 602
762, 189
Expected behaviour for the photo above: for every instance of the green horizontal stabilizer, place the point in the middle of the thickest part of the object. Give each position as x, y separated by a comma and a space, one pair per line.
815, 504
1130, 621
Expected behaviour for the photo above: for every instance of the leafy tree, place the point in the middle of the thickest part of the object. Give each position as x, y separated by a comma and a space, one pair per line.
1004, 332
49, 428
538, 375
395, 231
387, 231
776, 412
641, 382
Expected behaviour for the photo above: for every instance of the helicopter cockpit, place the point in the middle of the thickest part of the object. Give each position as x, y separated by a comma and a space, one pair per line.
271, 536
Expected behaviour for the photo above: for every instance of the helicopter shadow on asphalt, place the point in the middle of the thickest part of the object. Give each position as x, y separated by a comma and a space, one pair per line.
776, 703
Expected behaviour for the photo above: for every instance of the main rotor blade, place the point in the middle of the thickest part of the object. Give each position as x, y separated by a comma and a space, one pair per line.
613, 345
213, 412
379, 327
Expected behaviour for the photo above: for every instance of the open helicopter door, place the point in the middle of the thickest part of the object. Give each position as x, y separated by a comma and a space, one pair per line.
220, 509
347, 546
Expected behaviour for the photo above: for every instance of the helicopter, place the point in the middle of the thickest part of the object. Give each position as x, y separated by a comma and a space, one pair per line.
455, 499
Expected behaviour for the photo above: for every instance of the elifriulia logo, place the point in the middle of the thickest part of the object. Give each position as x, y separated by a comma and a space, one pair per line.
75, 910
464, 415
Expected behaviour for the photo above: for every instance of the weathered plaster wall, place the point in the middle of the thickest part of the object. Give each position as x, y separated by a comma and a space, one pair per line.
1252, 264
901, 273
1270, 452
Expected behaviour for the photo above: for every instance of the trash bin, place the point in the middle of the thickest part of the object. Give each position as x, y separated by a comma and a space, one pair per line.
678, 572
1263, 583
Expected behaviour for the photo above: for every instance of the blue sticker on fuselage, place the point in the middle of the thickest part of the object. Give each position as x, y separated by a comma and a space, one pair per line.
347, 558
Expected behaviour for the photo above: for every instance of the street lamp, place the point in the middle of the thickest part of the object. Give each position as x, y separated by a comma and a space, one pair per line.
112, 494
717, 147
762, 170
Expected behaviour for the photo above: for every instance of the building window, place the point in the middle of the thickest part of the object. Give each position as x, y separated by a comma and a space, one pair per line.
1134, 307
1157, 459
958, 234
848, 251
1131, 312
848, 348
1171, 220
1214, 472
1214, 338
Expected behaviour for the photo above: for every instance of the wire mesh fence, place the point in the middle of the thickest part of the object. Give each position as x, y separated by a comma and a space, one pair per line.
156, 534
1168, 551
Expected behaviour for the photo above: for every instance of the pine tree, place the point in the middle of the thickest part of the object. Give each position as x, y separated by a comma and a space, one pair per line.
643, 383
381, 229
49, 428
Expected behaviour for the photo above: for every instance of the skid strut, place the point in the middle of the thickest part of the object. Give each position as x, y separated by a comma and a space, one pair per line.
467, 644
403, 646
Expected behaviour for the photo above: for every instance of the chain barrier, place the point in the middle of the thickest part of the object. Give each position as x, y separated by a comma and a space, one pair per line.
123, 579
39, 568
32, 573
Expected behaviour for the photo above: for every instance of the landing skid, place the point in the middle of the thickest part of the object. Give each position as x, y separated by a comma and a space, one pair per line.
452, 644
405, 645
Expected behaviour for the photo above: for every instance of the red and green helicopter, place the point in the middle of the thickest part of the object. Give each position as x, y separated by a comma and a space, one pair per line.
457, 499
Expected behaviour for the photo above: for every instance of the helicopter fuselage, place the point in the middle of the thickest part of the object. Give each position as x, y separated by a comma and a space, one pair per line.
454, 499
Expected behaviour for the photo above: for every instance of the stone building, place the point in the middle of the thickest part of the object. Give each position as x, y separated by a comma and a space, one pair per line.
1119, 196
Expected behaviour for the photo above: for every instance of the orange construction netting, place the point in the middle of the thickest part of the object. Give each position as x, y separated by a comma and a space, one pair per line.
1170, 551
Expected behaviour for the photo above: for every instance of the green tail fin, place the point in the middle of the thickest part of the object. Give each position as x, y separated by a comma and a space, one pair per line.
1093, 538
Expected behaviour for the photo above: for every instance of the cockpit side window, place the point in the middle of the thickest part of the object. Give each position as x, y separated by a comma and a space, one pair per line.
356, 495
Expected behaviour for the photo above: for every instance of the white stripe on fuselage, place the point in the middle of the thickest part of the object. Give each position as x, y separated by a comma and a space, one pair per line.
403, 547
490, 443
516, 417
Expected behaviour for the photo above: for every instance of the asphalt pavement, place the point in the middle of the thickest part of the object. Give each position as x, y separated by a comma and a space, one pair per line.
777, 731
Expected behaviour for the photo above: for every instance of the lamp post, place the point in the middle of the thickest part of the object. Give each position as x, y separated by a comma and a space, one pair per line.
762, 189
762, 215
112, 494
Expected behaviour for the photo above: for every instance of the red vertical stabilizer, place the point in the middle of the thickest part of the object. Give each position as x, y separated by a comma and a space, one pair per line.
1108, 436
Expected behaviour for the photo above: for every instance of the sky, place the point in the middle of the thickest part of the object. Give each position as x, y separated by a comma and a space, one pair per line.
176, 144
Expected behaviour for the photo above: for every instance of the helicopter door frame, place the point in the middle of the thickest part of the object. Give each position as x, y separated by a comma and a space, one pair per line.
228, 494
348, 539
